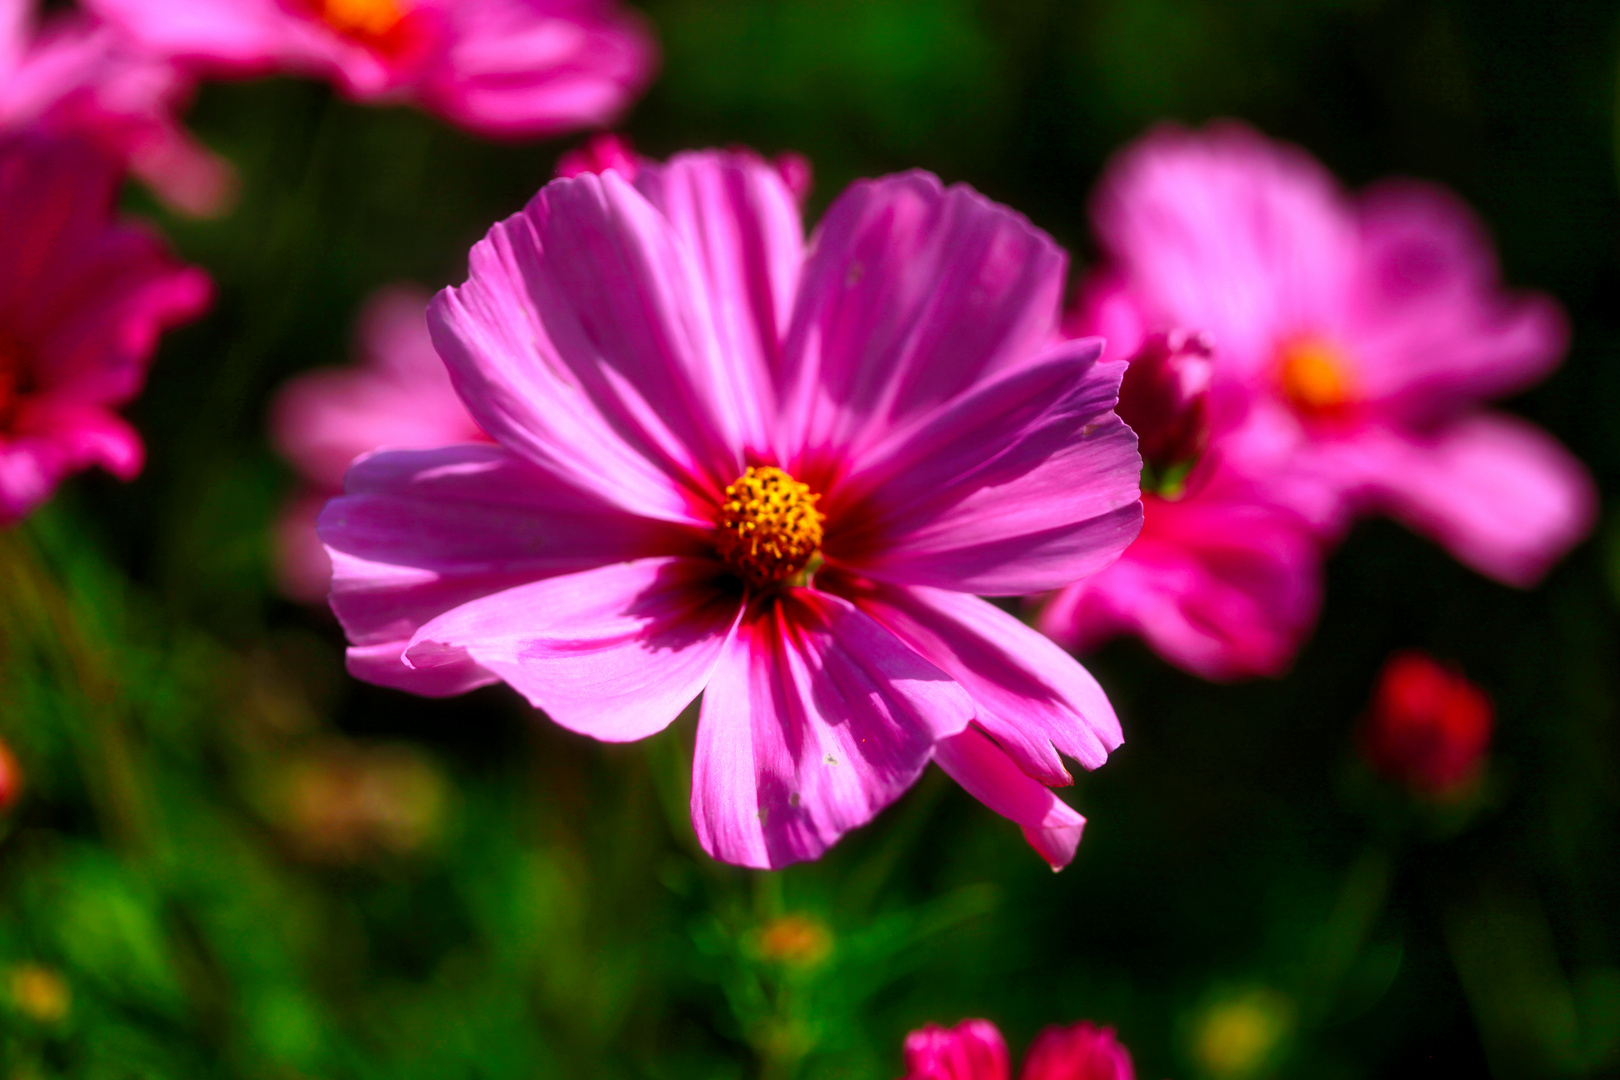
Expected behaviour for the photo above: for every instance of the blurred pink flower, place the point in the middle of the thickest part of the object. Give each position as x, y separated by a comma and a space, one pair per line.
1352, 343
83, 299
501, 67
1355, 340
78, 76
974, 1050
733, 464
398, 395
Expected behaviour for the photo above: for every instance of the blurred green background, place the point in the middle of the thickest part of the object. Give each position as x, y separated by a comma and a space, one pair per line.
234, 861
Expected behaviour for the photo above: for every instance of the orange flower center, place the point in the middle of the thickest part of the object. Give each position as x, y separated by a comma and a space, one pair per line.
360, 18
768, 529
1316, 378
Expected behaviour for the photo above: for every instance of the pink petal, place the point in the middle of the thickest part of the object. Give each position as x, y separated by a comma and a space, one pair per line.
422, 532
1220, 583
399, 396
1028, 694
985, 771
972, 1050
1431, 327
1226, 232
735, 212
584, 340
233, 37
912, 294
815, 719
1027, 483
52, 441
518, 68
614, 653
1500, 494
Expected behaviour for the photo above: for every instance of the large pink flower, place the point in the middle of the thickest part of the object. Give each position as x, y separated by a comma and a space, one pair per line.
1355, 340
82, 301
78, 76
502, 67
398, 396
731, 464
974, 1050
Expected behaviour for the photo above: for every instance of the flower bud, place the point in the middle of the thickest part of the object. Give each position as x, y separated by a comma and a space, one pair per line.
1081, 1051
1165, 399
1428, 728
601, 152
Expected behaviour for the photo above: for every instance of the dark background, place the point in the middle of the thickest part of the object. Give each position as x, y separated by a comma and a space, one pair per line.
545, 911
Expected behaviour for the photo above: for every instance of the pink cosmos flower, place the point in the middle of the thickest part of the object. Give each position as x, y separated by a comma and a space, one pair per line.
1223, 581
974, 1050
727, 462
398, 395
501, 67
1356, 340
78, 76
1353, 342
82, 300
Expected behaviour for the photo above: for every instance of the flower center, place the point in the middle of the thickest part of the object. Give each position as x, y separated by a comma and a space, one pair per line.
768, 529
1315, 378
360, 18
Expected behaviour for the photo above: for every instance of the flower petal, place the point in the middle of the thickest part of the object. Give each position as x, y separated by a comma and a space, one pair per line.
1221, 584
614, 653
815, 719
1033, 698
583, 340
735, 213
912, 294
1225, 232
421, 532
1432, 328
515, 68
1501, 494
1028, 483
985, 771
972, 1050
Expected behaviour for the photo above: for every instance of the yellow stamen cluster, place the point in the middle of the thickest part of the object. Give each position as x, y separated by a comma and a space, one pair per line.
361, 18
768, 529
1315, 378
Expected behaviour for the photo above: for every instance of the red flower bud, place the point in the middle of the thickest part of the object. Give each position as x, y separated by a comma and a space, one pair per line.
1165, 399
1429, 727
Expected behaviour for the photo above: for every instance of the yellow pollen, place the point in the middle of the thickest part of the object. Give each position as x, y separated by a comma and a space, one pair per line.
1315, 377
768, 529
360, 18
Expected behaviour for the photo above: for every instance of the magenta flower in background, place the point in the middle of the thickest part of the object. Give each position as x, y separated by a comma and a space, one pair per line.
501, 67
1356, 342
83, 298
398, 395
1224, 580
75, 75
974, 1050
1353, 342
729, 463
